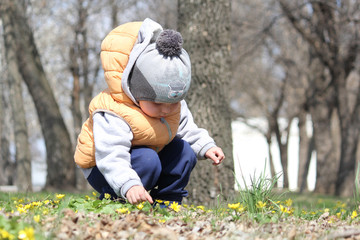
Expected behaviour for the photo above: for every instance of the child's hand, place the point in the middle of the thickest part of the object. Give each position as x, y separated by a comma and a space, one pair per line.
216, 154
137, 194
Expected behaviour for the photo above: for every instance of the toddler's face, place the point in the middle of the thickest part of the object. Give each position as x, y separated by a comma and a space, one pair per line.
158, 110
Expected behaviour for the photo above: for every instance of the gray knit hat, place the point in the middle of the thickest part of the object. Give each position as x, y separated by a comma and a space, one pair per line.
162, 72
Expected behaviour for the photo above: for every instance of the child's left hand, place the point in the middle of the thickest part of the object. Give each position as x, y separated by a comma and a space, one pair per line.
216, 155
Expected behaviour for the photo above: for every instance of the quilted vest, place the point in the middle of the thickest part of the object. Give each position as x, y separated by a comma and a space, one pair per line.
147, 131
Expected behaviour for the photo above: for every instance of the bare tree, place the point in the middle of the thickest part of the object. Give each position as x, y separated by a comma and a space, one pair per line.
23, 156
205, 26
60, 164
332, 31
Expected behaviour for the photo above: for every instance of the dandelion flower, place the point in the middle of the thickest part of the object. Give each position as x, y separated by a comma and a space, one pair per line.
22, 210
175, 206
201, 207
241, 208
140, 206
288, 202
37, 218
354, 214
5, 234
26, 234
260, 204
122, 210
283, 209
60, 196
234, 206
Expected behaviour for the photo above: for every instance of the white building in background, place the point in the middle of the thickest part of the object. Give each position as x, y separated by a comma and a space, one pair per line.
250, 151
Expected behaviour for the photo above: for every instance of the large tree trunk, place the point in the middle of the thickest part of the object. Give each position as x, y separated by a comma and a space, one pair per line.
23, 156
350, 130
205, 26
321, 105
60, 164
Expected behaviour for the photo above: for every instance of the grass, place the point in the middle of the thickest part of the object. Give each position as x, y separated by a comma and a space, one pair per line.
62, 216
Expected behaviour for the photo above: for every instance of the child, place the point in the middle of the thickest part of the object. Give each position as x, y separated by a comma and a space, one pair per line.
140, 135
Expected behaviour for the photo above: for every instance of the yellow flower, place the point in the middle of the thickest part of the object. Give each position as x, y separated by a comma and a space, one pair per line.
37, 204
234, 206
122, 210
45, 211
354, 214
339, 204
162, 220
22, 210
26, 234
286, 209
87, 197
167, 203
283, 209
326, 210
5, 235
201, 207
107, 196
46, 202
288, 202
241, 208
94, 194
140, 206
37, 218
159, 201
260, 204
60, 196
175, 206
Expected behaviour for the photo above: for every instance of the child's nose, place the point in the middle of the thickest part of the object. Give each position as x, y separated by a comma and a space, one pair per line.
166, 109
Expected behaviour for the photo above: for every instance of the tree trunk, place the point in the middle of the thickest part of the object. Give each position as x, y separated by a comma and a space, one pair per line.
304, 145
268, 137
3, 180
350, 130
327, 162
23, 156
205, 26
60, 164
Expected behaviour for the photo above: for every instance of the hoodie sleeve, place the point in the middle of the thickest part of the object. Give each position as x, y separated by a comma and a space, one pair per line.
198, 138
112, 137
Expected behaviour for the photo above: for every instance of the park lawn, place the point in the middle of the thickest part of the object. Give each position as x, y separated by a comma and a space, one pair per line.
82, 216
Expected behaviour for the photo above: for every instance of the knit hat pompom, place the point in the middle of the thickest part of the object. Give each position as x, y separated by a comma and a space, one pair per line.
169, 43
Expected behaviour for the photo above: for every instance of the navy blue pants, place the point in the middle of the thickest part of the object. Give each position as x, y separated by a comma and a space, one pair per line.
165, 174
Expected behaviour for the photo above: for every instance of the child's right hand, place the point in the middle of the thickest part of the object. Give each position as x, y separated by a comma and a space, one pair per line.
137, 194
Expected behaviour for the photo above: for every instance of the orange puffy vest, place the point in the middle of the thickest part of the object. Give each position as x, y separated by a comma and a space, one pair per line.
147, 131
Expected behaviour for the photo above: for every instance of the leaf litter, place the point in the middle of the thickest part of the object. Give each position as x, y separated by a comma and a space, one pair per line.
140, 225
